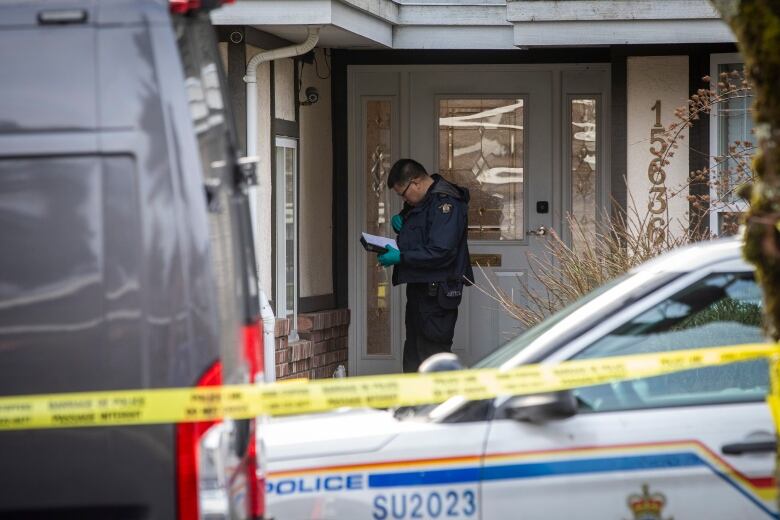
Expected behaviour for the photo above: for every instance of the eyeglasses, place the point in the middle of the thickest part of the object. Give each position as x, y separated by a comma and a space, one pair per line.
403, 193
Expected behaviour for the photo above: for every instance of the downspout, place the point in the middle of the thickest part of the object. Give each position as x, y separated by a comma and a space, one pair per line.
269, 321
251, 81
269, 339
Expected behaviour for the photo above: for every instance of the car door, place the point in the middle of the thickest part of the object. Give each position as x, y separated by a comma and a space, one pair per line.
374, 465
695, 444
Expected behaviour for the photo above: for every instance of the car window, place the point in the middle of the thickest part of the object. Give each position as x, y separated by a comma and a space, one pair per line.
720, 310
514, 346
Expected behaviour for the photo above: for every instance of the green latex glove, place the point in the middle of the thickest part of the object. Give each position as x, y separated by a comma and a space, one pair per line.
397, 222
392, 257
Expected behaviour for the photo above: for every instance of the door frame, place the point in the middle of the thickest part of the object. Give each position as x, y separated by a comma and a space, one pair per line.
563, 90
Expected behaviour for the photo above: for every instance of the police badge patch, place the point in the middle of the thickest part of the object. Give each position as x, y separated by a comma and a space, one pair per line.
446, 207
647, 506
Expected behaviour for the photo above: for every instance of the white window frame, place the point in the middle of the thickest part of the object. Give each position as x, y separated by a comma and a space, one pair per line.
739, 205
281, 235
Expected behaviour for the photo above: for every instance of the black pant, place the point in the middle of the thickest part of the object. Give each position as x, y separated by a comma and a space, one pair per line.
429, 326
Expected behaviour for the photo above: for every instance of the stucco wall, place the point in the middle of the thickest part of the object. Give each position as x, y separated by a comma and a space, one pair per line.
316, 185
284, 99
264, 187
651, 79
223, 54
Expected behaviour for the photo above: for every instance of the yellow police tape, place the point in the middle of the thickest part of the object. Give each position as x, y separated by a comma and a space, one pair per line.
173, 405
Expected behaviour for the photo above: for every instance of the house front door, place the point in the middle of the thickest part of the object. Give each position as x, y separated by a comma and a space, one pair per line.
490, 131
521, 138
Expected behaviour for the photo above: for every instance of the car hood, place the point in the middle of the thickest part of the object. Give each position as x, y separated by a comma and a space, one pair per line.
324, 435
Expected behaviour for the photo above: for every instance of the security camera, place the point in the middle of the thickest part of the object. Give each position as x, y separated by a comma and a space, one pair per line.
312, 96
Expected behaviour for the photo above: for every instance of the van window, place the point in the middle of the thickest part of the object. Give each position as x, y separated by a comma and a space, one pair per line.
42, 67
720, 310
68, 283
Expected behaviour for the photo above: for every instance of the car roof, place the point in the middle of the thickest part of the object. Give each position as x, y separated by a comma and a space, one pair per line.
682, 260
694, 256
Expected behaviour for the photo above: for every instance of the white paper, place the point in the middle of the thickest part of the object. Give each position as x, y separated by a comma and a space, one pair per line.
380, 241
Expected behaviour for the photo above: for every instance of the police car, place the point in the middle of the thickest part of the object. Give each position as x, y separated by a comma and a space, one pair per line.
697, 444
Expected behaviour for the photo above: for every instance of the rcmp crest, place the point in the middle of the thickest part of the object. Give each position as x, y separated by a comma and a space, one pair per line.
446, 207
647, 506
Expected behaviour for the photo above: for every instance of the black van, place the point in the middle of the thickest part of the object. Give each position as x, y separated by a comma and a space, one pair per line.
126, 256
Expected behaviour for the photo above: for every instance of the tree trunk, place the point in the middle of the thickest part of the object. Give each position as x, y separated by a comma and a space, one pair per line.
756, 23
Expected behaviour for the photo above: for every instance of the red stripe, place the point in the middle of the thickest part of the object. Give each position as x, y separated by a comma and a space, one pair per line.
761, 482
437, 460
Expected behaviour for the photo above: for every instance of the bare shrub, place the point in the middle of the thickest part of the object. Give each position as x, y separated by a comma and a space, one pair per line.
564, 273
567, 270
720, 183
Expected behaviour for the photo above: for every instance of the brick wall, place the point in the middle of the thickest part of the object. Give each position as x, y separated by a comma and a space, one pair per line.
322, 346
282, 348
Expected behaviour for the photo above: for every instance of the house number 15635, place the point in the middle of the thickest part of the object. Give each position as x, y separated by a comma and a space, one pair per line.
657, 205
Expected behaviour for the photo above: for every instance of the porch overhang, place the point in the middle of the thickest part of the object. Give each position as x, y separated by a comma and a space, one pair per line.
482, 24
344, 24
551, 23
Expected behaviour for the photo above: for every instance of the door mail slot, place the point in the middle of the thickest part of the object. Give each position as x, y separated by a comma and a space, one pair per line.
485, 260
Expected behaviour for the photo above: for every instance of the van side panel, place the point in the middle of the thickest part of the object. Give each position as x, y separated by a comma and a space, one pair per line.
141, 88
69, 316
104, 274
201, 327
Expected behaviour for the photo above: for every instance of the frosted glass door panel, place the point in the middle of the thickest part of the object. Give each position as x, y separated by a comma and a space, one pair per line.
481, 147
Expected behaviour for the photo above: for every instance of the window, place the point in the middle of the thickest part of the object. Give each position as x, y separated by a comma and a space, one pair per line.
286, 187
731, 126
512, 348
379, 150
720, 310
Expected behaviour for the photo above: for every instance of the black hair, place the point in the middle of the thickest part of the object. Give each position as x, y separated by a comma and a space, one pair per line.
403, 171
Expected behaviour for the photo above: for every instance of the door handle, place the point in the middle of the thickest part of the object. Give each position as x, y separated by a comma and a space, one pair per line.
540, 232
741, 448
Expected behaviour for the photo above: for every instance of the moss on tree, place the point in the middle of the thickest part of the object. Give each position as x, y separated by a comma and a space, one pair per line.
756, 24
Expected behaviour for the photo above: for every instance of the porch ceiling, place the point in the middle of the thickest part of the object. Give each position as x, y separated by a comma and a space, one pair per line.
481, 24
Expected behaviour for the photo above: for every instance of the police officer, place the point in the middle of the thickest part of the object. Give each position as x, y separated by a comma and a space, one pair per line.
432, 259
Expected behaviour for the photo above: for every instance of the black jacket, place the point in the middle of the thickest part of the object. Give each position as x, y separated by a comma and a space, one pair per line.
433, 239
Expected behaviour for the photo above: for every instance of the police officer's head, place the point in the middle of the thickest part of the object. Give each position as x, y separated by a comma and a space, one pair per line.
409, 179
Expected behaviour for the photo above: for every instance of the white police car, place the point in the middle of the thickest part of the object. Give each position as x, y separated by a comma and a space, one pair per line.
691, 445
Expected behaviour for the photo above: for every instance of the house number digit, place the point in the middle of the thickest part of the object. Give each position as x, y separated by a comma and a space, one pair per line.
657, 108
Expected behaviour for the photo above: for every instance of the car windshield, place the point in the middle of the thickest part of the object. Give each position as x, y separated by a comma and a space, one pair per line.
514, 346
